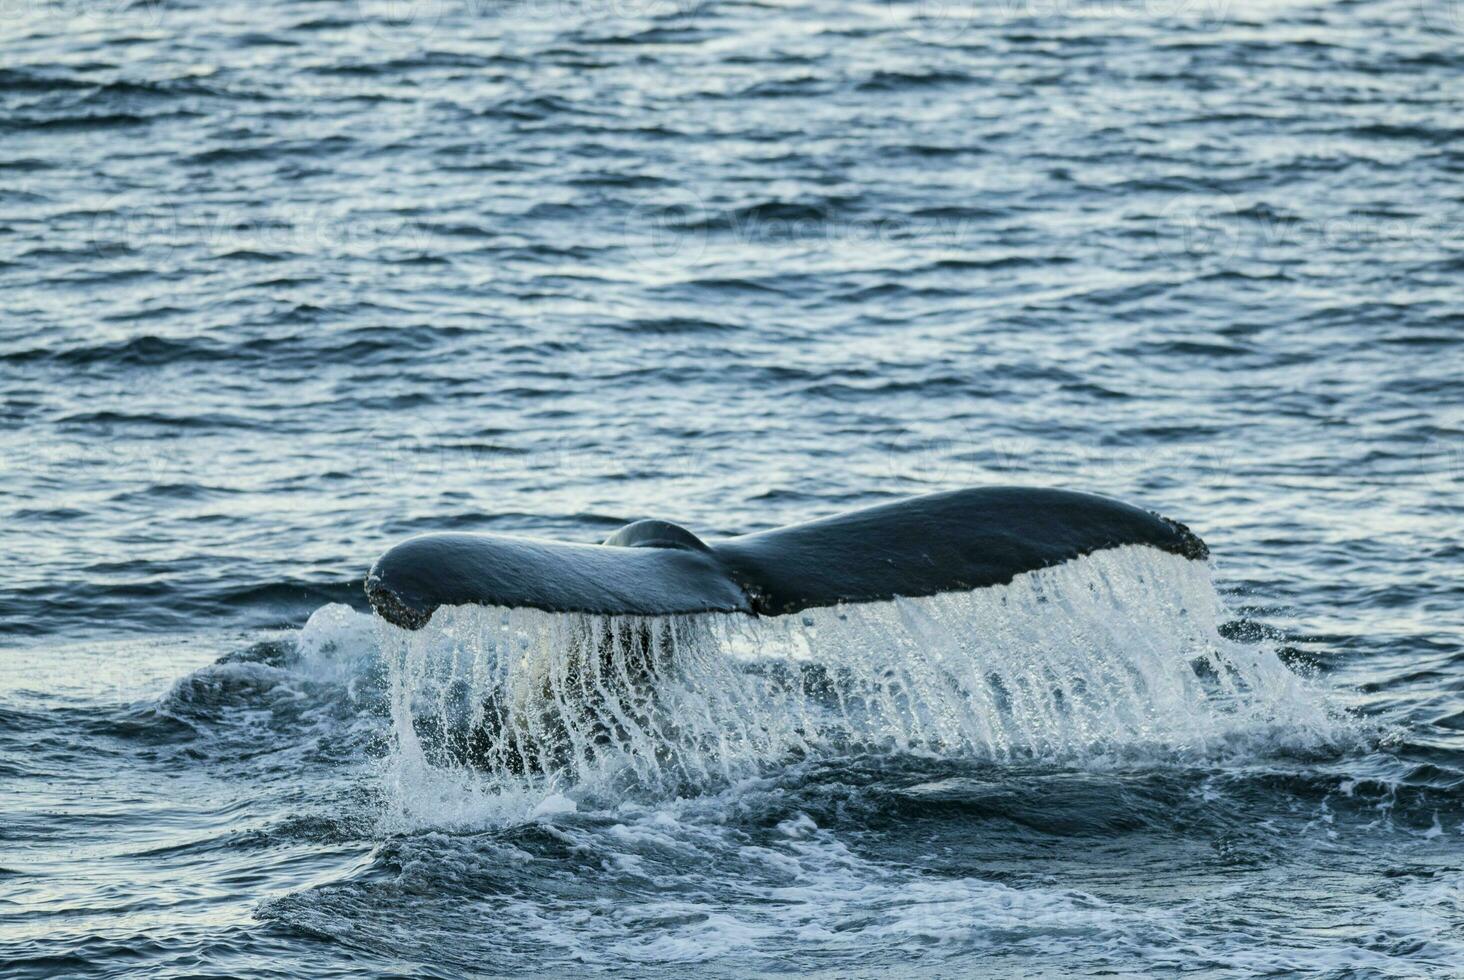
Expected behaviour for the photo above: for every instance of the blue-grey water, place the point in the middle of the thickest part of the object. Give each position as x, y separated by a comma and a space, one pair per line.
285, 282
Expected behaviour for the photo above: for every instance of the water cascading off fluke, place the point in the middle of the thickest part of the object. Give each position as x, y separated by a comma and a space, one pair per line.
602, 671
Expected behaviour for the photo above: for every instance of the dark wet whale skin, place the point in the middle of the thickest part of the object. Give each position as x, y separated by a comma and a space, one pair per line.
940, 542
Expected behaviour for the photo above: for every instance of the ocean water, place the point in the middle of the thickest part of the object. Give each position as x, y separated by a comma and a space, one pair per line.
283, 283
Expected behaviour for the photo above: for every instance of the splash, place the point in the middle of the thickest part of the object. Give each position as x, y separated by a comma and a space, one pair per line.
1106, 657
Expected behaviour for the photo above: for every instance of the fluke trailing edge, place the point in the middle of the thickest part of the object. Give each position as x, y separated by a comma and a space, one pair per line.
940, 542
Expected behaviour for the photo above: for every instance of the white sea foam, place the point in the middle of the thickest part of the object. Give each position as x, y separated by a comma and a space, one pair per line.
336, 643
497, 712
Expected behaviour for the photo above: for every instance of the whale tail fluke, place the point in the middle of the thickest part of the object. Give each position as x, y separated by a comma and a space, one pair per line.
942, 542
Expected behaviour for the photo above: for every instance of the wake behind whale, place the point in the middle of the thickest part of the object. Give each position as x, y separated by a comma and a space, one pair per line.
1113, 652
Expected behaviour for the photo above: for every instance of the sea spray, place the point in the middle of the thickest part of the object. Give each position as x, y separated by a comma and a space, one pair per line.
1110, 655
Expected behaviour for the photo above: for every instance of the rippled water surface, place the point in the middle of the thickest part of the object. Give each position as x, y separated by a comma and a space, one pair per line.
285, 282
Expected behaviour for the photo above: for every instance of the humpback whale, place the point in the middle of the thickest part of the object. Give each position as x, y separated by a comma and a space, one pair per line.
941, 542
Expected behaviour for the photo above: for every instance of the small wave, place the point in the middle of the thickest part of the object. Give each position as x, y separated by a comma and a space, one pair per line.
801, 888
882, 81
818, 210
143, 351
675, 325
171, 596
77, 121
313, 696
